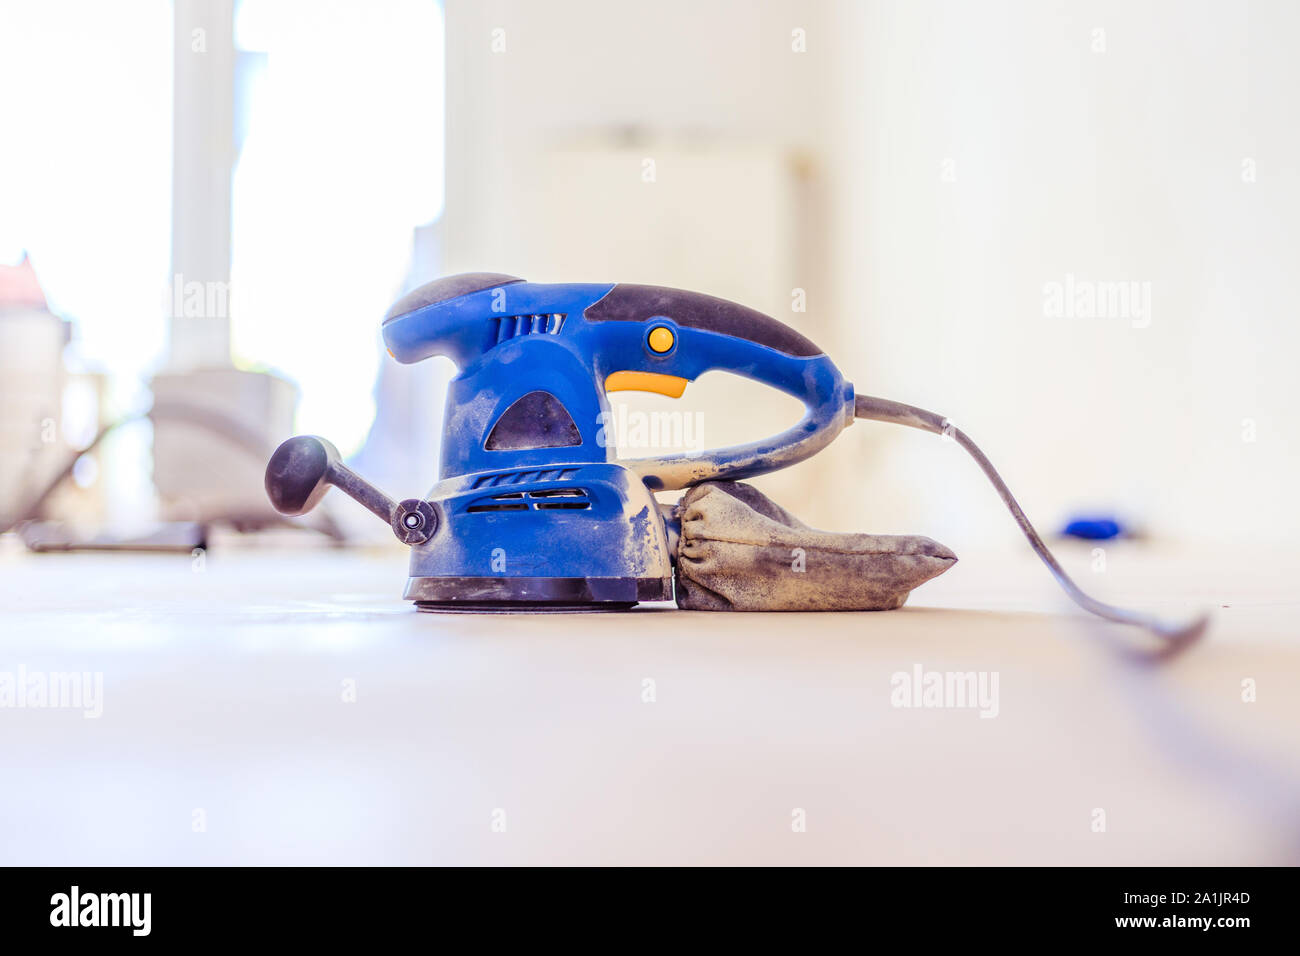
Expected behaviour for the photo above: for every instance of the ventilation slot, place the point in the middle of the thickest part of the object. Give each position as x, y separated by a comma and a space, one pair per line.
543, 499
519, 477
548, 323
561, 499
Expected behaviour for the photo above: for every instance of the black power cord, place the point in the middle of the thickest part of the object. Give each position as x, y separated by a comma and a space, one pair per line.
884, 410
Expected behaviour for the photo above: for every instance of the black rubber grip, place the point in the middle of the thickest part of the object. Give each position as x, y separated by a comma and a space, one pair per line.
693, 310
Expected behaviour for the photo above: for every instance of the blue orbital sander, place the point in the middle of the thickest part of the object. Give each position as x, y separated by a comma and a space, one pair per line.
534, 510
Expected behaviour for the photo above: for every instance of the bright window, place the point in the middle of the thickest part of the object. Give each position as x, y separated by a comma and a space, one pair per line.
85, 169
340, 116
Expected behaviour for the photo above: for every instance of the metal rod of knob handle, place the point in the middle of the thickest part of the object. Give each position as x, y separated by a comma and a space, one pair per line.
361, 491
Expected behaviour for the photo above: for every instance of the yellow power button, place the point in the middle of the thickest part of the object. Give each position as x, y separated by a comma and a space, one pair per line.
661, 339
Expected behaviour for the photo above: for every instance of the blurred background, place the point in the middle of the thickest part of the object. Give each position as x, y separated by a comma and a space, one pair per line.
1072, 228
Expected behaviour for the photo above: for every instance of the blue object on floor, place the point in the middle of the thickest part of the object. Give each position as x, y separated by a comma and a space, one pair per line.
1094, 529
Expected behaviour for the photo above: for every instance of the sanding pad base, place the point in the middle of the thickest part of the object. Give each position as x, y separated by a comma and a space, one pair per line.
505, 595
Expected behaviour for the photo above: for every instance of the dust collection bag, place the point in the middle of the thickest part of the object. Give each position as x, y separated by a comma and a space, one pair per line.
741, 551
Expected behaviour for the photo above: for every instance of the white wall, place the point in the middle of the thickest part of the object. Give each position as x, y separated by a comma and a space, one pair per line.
1122, 164
546, 143
1118, 165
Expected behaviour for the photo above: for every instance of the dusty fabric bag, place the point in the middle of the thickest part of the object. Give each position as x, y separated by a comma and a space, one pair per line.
741, 551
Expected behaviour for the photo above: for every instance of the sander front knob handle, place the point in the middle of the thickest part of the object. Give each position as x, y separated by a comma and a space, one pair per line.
302, 470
